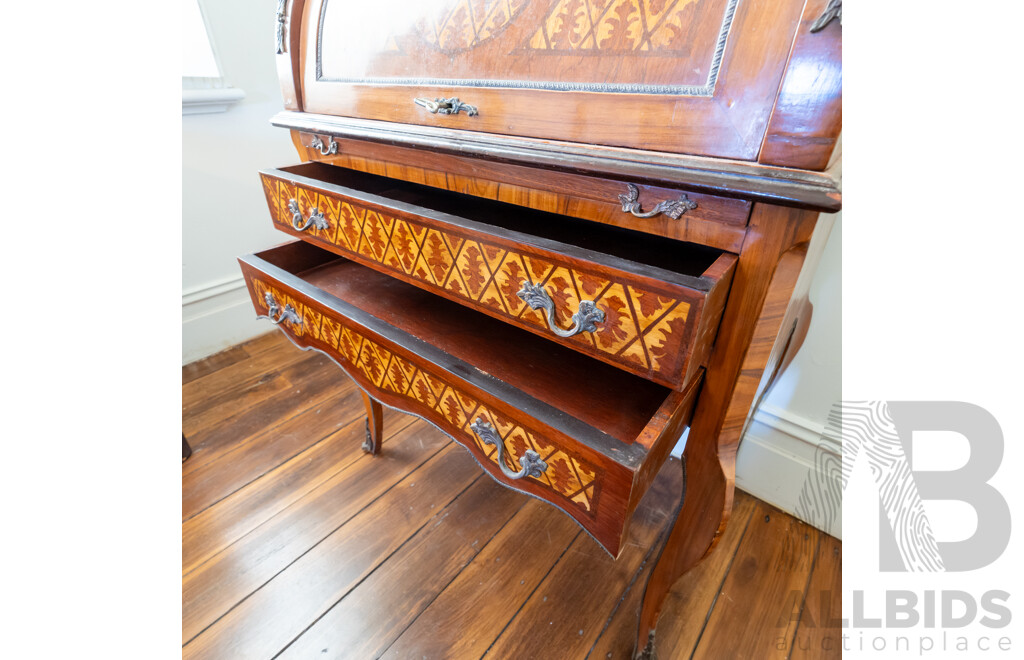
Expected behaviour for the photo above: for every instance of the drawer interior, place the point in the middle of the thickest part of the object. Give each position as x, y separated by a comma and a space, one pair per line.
682, 258
617, 403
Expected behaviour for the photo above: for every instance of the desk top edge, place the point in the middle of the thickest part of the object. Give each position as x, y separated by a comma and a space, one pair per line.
782, 186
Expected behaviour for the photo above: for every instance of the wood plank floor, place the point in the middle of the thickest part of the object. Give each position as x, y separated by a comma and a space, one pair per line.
296, 544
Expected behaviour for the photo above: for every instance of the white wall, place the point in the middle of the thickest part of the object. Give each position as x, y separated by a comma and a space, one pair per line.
224, 212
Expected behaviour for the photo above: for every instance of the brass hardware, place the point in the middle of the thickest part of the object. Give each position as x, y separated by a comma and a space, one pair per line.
287, 314
318, 144
531, 462
584, 320
316, 218
450, 106
671, 208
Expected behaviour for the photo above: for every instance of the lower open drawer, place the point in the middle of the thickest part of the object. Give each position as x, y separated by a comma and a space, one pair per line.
540, 418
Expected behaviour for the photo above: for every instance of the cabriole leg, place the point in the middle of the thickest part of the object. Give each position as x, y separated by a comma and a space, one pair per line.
745, 352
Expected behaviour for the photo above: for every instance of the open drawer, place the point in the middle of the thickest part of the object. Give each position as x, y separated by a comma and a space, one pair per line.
641, 303
544, 420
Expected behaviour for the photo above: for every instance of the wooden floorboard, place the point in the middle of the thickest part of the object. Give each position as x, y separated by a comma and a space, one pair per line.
687, 606
213, 480
763, 589
576, 599
200, 368
819, 633
438, 554
228, 574
297, 544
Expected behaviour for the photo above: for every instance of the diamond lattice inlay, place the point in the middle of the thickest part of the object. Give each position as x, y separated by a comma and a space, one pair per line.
436, 398
643, 329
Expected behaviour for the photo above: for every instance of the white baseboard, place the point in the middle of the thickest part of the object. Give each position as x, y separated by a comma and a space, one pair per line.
215, 316
776, 456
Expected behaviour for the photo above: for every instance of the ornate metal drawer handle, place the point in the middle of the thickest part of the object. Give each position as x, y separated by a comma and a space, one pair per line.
318, 144
450, 106
531, 462
671, 208
584, 320
316, 218
287, 314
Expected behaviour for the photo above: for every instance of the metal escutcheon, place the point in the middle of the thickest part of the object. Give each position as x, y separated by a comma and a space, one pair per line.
316, 218
585, 319
287, 314
531, 462
673, 208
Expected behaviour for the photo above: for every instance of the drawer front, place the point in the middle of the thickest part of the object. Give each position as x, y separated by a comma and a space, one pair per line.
719, 222
576, 480
686, 76
655, 329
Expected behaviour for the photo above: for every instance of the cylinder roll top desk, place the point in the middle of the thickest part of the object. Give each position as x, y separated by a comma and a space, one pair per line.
561, 231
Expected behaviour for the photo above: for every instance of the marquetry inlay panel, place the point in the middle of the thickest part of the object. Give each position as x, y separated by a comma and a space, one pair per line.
645, 331
659, 46
449, 405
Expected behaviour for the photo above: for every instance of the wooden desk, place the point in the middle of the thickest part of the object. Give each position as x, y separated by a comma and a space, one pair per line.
561, 231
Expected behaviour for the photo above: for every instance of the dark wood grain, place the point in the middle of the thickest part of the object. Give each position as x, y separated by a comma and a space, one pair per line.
216, 479
275, 533
819, 634
583, 575
200, 368
200, 396
211, 530
808, 114
434, 619
229, 356
452, 626
222, 404
198, 393
266, 621
687, 604
771, 569
216, 430
399, 591
694, 597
